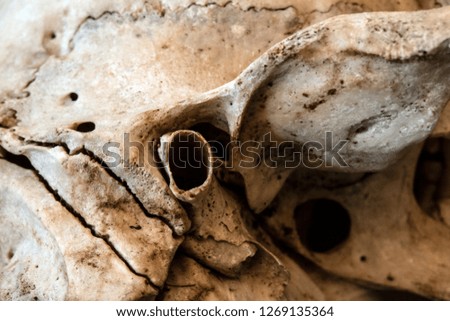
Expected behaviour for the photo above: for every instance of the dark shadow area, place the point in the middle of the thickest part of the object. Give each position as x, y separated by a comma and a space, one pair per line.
188, 161
322, 224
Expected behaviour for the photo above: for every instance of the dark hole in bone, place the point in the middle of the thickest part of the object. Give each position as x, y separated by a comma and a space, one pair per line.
218, 139
52, 35
361, 129
322, 224
10, 254
73, 96
233, 181
363, 258
8, 118
86, 127
188, 161
19, 160
431, 182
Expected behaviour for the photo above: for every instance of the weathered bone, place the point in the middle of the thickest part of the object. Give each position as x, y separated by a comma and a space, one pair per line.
349, 75
219, 238
146, 244
50, 255
409, 253
379, 80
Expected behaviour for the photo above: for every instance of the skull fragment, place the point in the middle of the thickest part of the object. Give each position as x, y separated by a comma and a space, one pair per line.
228, 150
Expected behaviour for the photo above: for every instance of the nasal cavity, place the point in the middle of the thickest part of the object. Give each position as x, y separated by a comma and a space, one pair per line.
322, 224
188, 160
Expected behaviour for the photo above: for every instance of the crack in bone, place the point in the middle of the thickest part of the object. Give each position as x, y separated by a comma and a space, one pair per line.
124, 183
232, 3
84, 21
141, 256
91, 228
337, 40
83, 222
108, 170
87, 258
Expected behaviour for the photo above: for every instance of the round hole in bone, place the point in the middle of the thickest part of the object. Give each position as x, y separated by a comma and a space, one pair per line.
431, 181
218, 139
69, 99
73, 96
322, 224
188, 160
85, 127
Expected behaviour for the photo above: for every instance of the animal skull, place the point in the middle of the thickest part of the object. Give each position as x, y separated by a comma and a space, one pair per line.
97, 205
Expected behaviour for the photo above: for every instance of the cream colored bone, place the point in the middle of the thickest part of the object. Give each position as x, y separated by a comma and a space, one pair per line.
377, 79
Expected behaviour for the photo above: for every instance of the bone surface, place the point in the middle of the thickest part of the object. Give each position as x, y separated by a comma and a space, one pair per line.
227, 150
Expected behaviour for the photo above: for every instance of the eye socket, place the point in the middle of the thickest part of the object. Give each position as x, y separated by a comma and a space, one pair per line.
322, 224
